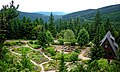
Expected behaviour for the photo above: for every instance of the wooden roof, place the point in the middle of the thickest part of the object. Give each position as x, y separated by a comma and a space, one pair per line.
112, 42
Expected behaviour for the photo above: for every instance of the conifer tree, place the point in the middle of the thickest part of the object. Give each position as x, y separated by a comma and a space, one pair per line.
96, 24
7, 14
52, 27
42, 39
96, 51
83, 37
108, 26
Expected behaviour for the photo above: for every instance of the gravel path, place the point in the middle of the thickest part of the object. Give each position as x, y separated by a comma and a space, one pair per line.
41, 65
49, 59
82, 53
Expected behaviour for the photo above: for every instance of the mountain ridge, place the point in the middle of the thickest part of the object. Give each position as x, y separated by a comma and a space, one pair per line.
111, 12
89, 13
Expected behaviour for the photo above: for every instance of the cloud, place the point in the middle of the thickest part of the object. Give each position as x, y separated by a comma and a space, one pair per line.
59, 5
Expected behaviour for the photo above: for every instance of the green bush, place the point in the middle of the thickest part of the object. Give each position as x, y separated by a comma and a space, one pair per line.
67, 43
9, 43
61, 41
67, 57
19, 43
77, 50
57, 56
35, 42
74, 56
31, 42
51, 51
34, 46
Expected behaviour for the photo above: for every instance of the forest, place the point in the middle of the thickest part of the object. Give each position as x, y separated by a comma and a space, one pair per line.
28, 45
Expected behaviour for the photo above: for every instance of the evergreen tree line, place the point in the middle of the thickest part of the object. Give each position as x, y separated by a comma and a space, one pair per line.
28, 29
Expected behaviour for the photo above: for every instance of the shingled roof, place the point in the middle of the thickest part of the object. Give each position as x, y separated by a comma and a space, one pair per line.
112, 42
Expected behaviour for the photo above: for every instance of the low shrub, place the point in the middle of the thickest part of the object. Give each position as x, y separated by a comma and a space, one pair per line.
77, 50
34, 46
37, 57
23, 49
61, 41
35, 42
67, 43
73, 56
57, 56
31, 42
10, 43
19, 43
50, 50
52, 65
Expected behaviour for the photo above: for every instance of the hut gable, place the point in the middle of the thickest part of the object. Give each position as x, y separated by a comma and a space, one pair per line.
112, 45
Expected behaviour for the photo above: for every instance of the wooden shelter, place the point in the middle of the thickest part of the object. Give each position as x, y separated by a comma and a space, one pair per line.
110, 46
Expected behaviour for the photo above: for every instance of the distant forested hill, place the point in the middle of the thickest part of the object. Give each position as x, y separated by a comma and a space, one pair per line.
33, 16
112, 12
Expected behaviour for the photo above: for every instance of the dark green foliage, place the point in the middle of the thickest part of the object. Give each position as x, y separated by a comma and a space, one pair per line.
26, 64
79, 68
61, 41
96, 53
71, 57
62, 67
51, 27
83, 37
3, 52
51, 51
34, 44
31, 42
7, 13
49, 37
42, 39
74, 57
18, 43
108, 26
100, 33
101, 65
2, 39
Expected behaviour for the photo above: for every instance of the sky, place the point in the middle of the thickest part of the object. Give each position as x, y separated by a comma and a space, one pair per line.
59, 5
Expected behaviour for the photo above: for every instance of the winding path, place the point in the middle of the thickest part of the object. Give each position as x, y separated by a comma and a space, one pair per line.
81, 55
49, 59
41, 65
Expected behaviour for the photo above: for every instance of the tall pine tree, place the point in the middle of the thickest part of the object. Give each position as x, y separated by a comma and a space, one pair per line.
52, 27
7, 14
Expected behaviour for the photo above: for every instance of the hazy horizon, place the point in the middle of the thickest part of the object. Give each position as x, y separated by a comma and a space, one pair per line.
66, 6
